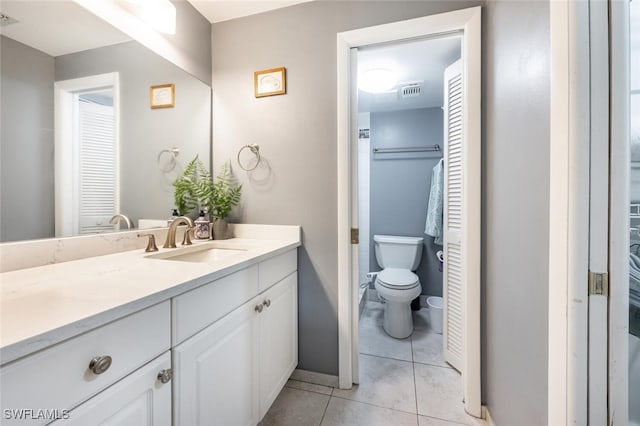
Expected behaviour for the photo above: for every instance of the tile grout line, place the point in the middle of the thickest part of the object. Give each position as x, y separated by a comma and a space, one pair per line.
309, 390
415, 386
344, 398
326, 407
388, 357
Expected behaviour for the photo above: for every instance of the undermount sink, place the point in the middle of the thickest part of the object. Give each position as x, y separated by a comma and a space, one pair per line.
199, 253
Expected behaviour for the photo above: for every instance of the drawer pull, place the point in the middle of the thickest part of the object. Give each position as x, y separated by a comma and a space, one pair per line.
100, 364
267, 303
258, 308
165, 375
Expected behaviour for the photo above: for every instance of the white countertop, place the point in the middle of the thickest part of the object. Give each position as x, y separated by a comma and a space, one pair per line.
45, 305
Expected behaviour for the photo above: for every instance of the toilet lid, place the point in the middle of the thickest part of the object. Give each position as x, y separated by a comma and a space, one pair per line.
397, 278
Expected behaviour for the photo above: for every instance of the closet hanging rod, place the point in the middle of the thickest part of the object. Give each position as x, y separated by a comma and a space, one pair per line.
435, 147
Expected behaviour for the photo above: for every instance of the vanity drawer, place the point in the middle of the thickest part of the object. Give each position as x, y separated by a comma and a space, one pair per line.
196, 309
275, 269
59, 378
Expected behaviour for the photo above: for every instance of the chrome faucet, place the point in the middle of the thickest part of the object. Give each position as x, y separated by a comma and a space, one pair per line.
171, 234
114, 220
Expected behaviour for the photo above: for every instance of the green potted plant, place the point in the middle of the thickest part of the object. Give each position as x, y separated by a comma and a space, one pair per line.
224, 196
194, 188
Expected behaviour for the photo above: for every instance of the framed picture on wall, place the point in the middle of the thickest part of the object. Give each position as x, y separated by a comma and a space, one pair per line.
162, 96
269, 82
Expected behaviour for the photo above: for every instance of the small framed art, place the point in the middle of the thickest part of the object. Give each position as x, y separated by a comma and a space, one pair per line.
162, 96
269, 82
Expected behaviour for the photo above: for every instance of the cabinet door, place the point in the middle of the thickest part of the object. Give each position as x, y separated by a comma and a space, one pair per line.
138, 399
216, 371
278, 339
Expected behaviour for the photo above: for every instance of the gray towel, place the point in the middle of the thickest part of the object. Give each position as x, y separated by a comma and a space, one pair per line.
433, 225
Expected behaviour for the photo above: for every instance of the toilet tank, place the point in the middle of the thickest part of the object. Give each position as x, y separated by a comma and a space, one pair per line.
398, 252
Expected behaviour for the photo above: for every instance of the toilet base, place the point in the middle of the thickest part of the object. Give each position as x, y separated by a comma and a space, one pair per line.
397, 321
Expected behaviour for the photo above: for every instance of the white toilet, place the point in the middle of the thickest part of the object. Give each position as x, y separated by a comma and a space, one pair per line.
398, 256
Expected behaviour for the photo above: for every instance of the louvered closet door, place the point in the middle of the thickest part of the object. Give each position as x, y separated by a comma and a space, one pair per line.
97, 197
454, 271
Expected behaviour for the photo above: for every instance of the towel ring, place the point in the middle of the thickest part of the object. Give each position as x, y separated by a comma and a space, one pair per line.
174, 152
256, 151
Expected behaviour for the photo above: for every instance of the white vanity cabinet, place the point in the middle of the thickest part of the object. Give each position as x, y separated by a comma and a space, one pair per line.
214, 354
142, 398
231, 372
63, 376
215, 373
278, 348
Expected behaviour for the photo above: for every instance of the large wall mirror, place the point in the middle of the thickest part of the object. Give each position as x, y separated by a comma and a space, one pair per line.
79, 138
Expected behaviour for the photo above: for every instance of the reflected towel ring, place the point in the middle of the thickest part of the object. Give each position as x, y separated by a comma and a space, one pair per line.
256, 151
174, 152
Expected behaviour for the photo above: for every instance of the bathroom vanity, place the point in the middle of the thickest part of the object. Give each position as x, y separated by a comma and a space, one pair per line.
190, 336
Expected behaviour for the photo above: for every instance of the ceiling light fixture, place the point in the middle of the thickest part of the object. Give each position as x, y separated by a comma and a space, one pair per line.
158, 14
377, 80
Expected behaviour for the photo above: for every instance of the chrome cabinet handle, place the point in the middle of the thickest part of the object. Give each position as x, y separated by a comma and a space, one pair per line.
165, 375
258, 308
267, 303
100, 364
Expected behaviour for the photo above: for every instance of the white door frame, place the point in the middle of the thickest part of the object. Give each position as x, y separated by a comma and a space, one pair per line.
572, 106
466, 22
568, 213
619, 214
65, 134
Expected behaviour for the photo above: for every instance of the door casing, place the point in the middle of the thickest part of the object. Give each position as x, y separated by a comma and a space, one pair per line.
466, 22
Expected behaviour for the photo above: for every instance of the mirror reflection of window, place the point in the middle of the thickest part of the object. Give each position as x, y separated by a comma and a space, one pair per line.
97, 191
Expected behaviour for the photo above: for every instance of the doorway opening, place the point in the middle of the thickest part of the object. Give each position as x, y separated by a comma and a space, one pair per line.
86, 154
465, 24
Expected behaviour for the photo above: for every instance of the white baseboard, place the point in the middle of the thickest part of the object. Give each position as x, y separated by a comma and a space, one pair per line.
316, 378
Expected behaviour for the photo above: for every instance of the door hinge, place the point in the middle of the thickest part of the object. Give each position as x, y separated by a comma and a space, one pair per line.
598, 284
355, 236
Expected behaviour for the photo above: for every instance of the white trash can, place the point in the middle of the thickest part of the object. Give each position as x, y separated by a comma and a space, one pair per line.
434, 303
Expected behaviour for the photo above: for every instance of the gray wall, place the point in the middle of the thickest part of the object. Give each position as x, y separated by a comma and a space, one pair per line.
400, 183
297, 137
516, 210
26, 144
146, 191
193, 40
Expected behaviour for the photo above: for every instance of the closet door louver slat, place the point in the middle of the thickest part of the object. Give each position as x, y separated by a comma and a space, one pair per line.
453, 273
97, 167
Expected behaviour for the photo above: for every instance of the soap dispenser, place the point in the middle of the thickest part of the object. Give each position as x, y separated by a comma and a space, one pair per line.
202, 227
174, 216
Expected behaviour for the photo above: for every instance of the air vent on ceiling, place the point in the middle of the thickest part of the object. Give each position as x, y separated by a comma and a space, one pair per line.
411, 90
6, 20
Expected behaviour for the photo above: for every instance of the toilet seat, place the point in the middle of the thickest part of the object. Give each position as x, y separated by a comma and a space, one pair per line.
397, 279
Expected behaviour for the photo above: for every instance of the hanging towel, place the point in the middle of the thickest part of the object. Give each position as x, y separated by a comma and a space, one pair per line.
433, 226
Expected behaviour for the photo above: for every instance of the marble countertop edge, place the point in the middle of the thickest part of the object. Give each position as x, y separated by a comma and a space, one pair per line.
44, 335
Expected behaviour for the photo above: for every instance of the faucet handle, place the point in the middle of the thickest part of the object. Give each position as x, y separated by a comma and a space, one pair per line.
151, 244
186, 240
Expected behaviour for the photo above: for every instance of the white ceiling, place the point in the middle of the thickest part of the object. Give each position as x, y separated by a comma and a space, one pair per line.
40, 22
224, 10
416, 61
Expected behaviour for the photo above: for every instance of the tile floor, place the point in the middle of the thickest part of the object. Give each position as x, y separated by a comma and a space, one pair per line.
402, 382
